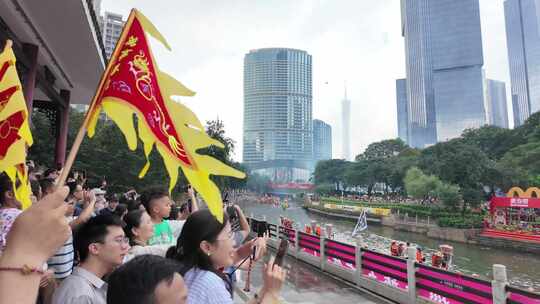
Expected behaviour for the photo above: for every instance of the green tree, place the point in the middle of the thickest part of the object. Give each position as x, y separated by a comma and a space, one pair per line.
493, 141
398, 166
330, 171
530, 130
449, 195
216, 130
523, 164
420, 185
43, 148
258, 183
383, 149
458, 163
363, 173
325, 189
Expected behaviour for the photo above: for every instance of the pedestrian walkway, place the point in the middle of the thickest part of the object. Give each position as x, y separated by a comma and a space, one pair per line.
306, 285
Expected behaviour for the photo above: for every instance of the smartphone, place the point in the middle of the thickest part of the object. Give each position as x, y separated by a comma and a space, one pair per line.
262, 227
282, 251
234, 218
189, 206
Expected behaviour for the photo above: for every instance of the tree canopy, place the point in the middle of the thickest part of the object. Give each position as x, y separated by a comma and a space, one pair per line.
458, 171
107, 156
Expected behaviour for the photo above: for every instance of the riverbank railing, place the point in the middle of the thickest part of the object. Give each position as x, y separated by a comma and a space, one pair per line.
401, 280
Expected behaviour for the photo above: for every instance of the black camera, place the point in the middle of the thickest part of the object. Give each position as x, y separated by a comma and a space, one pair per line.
234, 219
233, 214
259, 227
186, 207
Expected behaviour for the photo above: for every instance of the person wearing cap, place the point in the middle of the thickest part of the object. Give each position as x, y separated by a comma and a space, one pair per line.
394, 248
51, 173
100, 199
419, 255
436, 259
111, 207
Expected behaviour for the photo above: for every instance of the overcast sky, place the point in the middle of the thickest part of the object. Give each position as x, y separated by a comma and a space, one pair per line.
350, 40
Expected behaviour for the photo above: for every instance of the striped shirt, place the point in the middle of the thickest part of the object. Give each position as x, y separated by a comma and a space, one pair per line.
62, 261
206, 287
7, 218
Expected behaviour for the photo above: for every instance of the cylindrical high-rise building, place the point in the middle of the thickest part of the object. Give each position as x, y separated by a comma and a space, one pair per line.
278, 130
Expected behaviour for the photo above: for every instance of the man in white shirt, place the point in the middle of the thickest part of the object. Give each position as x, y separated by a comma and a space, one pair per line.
102, 246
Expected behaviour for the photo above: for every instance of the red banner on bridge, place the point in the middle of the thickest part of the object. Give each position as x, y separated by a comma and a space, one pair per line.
298, 186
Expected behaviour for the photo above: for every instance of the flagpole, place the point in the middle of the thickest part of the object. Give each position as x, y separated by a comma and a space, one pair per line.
82, 130
8, 45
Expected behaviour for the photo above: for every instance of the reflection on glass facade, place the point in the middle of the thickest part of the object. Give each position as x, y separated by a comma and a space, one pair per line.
443, 48
523, 40
322, 140
278, 123
415, 29
459, 100
496, 110
401, 100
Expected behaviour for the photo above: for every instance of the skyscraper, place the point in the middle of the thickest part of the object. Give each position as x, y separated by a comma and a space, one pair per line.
443, 52
278, 126
496, 110
111, 27
523, 40
322, 140
401, 100
346, 127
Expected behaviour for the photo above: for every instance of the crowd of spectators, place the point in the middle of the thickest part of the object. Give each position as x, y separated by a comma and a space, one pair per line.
80, 244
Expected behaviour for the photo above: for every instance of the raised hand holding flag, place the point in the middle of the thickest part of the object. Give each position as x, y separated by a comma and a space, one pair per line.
133, 85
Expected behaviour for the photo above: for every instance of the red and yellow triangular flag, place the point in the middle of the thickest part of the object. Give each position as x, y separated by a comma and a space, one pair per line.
133, 84
15, 133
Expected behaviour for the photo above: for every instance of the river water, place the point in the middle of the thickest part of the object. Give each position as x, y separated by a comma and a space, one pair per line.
523, 269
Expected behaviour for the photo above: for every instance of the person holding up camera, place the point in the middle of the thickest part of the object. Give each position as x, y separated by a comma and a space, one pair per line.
239, 224
204, 247
190, 206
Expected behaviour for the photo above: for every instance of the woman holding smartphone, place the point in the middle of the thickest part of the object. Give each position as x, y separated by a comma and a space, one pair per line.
204, 247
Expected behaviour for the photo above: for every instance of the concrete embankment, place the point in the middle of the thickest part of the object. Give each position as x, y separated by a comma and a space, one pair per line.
431, 230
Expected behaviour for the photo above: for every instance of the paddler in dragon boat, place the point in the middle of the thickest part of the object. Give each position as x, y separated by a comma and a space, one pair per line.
285, 204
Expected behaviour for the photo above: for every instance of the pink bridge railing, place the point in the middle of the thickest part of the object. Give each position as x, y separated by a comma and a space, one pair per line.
429, 283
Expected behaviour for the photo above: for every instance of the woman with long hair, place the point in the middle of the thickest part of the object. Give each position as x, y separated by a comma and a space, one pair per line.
139, 229
204, 247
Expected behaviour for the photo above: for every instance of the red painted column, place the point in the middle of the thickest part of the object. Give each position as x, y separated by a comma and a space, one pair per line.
62, 128
31, 53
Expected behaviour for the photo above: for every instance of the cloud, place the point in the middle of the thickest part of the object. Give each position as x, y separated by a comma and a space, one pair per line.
354, 41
